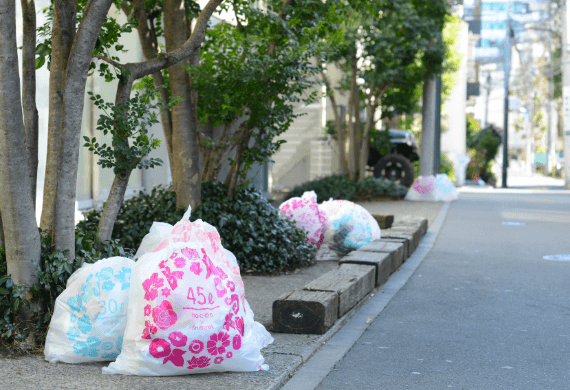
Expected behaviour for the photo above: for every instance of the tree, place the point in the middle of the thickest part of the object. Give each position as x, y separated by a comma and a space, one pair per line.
22, 239
391, 47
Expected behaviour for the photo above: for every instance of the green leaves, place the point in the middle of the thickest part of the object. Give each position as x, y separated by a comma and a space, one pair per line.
128, 124
340, 187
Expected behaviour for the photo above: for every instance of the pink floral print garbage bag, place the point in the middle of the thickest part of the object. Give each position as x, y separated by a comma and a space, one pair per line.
422, 189
90, 315
306, 214
348, 226
187, 312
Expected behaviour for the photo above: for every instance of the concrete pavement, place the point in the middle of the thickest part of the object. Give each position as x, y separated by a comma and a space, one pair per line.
484, 310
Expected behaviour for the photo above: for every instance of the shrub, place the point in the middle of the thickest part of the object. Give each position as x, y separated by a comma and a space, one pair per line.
248, 224
340, 187
484, 147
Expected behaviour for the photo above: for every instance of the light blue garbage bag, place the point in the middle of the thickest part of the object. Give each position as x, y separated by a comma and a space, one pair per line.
90, 315
348, 226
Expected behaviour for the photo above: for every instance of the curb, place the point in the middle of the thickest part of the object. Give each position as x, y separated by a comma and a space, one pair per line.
323, 358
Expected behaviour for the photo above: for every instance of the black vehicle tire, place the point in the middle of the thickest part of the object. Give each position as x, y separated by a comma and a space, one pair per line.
395, 167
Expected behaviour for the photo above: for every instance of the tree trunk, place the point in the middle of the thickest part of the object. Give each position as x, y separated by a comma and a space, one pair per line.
112, 206
149, 45
29, 91
185, 153
232, 177
2, 243
63, 32
352, 122
19, 222
365, 143
71, 117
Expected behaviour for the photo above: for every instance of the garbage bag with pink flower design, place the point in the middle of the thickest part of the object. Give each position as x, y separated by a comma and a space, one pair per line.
307, 216
432, 188
348, 226
90, 315
188, 313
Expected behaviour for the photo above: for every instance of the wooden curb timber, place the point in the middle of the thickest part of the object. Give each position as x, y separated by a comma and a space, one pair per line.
384, 220
315, 308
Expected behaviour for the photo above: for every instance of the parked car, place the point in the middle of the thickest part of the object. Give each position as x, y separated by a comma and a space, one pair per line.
397, 163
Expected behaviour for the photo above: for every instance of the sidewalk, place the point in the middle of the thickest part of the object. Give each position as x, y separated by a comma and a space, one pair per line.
283, 356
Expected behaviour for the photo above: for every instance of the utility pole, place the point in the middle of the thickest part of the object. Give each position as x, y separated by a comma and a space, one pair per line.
507, 68
488, 94
548, 167
566, 92
427, 155
437, 140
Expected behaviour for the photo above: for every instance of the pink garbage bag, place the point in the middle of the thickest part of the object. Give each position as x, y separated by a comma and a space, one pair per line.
307, 216
187, 309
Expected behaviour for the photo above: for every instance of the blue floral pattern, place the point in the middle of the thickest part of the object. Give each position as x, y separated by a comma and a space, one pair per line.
83, 329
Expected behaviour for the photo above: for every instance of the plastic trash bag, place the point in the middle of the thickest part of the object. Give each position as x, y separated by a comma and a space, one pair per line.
348, 226
461, 163
422, 189
432, 188
90, 315
187, 312
444, 188
304, 211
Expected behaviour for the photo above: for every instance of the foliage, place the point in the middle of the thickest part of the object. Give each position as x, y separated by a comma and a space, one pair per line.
259, 70
248, 224
340, 187
128, 122
53, 271
472, 129
137, 214
252, 229
484, 146
107, 42
446, 166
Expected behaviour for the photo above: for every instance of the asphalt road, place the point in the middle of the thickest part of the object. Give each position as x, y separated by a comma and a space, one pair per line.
484, 310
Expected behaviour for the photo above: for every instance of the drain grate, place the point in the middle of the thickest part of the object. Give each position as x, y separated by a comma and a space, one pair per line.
557, 257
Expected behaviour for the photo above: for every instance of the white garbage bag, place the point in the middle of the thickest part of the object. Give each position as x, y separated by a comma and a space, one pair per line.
187, 312
444, 188
461, 163
348, 226
90, 315
304, 211
422, 189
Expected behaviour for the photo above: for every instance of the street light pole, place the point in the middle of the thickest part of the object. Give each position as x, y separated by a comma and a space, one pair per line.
507, 68
549, 109
566, 93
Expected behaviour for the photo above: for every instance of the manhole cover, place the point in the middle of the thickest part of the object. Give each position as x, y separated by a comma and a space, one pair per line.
557, 257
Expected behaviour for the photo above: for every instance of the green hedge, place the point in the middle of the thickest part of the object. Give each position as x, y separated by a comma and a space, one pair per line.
340, 187
250, 227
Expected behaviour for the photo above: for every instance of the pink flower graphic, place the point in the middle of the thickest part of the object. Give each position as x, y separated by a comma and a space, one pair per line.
236, 342
201, 362
196, 346
233, 302
148, 330
165, 292
172, 276
164, 316
214, 240
163, 264
191, 254
177, 357
218, 360
229, 355
218, 343
180, 262
151, 285
231, 285
159, 348
195, 268
240, 325
147, 310
229, 323
174, 255
178, 339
